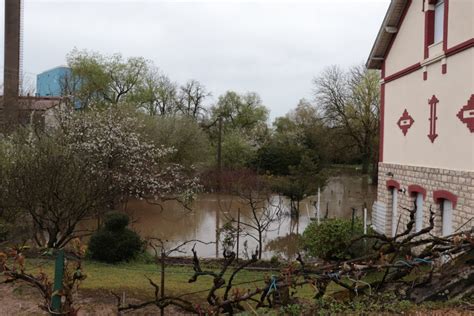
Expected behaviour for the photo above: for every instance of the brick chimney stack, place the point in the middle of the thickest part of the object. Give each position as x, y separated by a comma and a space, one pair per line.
11, 74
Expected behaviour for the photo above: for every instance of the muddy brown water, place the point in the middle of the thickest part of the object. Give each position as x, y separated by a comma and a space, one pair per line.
209, 212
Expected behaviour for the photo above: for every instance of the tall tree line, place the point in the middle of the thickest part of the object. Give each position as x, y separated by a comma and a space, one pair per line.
338, 126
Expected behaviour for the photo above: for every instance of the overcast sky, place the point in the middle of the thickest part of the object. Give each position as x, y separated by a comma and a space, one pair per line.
271, 47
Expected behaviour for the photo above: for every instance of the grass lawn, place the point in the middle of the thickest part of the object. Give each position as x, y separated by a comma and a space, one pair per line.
132, 278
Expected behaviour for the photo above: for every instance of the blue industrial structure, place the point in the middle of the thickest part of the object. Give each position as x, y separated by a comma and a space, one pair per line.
50, 83
55, 82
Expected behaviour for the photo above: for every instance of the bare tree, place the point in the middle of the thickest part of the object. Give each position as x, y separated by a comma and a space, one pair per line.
69, 85
349, 101
162, 252
191, 98
54, 188
265, 208
27, 85
156, 94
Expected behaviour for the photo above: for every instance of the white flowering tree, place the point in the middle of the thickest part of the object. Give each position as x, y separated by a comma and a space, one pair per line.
113, 144
87, 164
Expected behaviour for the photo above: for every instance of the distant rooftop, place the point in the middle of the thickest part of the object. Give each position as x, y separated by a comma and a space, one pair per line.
57, 67
36, 103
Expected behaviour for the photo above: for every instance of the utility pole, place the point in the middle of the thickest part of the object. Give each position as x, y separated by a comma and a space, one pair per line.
219, 153
219, 182
11, 73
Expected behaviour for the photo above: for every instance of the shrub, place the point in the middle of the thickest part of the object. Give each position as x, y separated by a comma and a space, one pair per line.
115, 242
331, 240
274, 260
116, 221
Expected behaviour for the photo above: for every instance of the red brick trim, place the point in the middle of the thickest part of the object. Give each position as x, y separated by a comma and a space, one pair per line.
440, 195
393, 184
425, 75
444, 69
414, 188
403, 72
429, 31
382, 115
445, 25
460, 47
450, 52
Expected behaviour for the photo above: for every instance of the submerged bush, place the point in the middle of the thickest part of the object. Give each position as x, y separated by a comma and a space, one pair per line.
115, 242
332, 239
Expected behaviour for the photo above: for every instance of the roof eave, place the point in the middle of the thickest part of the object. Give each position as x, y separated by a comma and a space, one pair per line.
382, 42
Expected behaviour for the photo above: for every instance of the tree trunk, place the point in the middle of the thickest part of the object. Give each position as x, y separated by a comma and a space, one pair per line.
52, 238
365, 163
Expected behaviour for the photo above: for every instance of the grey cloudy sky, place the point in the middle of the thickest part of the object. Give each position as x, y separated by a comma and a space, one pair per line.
271, 47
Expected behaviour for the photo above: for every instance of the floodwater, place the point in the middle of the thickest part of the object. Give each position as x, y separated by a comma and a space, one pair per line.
209, 212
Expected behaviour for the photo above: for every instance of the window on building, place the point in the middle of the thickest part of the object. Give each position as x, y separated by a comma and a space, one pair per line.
394, 211
439, 21
447, 217
419, 212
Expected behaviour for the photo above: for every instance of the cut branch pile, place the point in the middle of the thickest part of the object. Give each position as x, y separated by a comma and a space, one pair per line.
448, 273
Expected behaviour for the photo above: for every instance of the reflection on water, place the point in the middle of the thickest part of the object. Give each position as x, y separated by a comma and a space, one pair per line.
286, 246
211, 211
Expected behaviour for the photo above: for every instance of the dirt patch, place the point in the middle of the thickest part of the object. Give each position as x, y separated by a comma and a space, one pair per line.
23, 300
19, 300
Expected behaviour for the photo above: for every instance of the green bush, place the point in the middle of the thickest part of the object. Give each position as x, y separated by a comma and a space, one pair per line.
332, 239
115, 242
116, 221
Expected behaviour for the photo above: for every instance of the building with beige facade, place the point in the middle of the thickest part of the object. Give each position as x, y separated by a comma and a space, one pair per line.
425, 51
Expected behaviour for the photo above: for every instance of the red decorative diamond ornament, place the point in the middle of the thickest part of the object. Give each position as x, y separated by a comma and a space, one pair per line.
466, 114
405, 122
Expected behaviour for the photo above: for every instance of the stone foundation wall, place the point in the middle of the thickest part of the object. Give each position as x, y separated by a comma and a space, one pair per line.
459, 183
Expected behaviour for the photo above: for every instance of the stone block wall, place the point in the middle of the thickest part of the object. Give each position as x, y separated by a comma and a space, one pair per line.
459, 183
